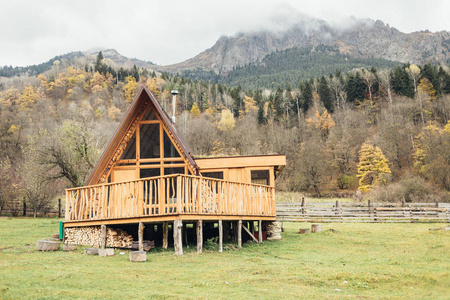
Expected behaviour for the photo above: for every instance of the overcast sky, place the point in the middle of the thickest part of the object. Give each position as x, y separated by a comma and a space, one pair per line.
168, 31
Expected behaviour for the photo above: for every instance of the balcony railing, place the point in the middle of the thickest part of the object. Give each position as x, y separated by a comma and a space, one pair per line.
169, 195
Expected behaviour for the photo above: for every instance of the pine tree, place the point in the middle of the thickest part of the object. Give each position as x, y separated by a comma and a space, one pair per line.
373, 169
261, 116
325, 95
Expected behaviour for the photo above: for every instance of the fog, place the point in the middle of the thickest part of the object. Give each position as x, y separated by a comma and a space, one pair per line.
170, 31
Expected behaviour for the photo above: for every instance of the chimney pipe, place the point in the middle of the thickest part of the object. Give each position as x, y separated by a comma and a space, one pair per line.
174, 103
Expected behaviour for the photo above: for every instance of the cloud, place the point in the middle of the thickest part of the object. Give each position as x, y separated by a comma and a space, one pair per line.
170, 31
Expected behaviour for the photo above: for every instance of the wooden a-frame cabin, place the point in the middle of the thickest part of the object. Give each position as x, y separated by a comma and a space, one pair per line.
149, 176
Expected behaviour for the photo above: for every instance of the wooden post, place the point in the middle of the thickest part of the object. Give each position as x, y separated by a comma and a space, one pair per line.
260, 232
220, 236
199, 236
59, 208
177, 237
103, 239
239, 230
165, 227
303, 205
141, 236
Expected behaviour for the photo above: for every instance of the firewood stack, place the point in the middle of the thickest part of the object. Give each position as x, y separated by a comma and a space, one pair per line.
115, 238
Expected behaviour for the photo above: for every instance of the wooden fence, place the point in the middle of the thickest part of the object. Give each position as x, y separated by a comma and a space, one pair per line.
362, 212
20, 208
169, 195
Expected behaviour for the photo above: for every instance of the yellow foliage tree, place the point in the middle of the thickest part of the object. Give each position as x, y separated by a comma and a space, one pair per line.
433, 154
195, 111
373, 168
250, 105
321, 122
154, 85
27, 98
227, 122
130, 89
10, 97
426, 87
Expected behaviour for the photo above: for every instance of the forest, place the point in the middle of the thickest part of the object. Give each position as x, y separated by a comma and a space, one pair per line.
378, 133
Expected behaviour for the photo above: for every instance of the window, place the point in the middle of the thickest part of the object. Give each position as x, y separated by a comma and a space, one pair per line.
169, 148
130, 150
149, 141
260, 177
217, 175
144, 173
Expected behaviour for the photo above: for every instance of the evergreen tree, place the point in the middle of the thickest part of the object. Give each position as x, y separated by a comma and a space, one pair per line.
355, 88
306, 98
325, 94
278, 103
401, 82
261, 116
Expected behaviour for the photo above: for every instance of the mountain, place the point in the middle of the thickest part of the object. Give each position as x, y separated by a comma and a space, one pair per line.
356, 38
79, 59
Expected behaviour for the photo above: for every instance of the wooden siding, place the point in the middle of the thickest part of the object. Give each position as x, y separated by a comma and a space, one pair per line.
240, 162
179, 195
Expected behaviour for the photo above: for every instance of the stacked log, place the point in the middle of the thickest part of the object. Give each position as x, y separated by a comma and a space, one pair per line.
115, 238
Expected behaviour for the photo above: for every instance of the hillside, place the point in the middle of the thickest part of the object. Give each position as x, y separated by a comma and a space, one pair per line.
78, 59
358, 39
290, 66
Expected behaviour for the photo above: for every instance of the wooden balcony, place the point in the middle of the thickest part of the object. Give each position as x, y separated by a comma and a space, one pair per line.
167, 198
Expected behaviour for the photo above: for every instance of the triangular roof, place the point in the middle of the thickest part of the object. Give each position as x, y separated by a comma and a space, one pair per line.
141, 101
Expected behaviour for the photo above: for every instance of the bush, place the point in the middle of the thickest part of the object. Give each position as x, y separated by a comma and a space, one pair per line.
410, 188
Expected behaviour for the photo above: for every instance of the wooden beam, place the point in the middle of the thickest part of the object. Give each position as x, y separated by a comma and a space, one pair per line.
141, 236
177, 237
165, 227
251, 235
170, 218
240, 233
199, 236
260, 233
103, 238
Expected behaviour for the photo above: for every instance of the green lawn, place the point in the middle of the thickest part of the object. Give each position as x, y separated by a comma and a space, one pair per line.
373, 261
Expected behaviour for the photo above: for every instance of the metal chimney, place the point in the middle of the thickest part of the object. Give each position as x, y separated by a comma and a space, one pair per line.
174, 103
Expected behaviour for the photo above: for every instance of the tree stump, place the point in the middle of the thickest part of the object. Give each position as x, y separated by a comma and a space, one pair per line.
316, 228
69, 247
106, 252
303, 230
44, 245
138, 256
91, 251
55, 236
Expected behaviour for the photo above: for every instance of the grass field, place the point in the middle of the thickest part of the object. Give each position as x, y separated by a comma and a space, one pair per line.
363, 261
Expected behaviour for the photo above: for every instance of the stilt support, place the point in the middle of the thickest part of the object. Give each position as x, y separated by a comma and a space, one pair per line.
199, 236
103, 237
165, 227
141, 236
220, 236
239, 233
260, 232
177, 237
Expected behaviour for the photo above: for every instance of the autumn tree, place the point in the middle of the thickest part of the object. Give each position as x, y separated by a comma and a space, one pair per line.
227, 122
433, 154
129, 90
195, 111
373, 169
323, 123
